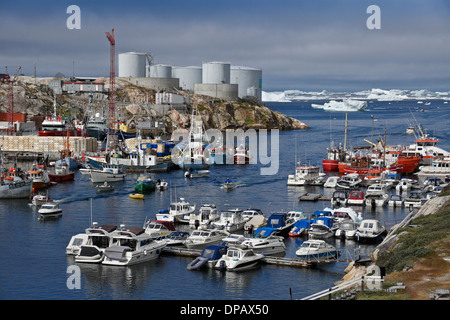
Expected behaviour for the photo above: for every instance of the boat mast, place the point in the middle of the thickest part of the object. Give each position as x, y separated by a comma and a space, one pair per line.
345, 137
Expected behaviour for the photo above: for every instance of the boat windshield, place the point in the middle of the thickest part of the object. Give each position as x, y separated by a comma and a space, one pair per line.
347, 226
233, 253
310, 245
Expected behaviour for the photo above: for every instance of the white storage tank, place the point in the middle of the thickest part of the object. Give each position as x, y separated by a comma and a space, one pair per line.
216, 72
188, 76
249, 81
132, 64
160, 71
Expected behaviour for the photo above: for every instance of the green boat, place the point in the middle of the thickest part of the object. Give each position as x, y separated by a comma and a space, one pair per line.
144, 183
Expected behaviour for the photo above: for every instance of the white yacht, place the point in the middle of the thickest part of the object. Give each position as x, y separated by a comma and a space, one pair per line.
199, 239
108, 173
98, 239
377, 195
265, 241
131, 246
404, 186
206, 215
159, 229
316, 250
238, 259
178, 212
230, 220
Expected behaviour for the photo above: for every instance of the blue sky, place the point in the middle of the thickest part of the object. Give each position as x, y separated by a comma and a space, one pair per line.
304, 45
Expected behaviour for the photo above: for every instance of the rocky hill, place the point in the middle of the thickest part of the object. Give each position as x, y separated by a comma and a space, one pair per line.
33, 96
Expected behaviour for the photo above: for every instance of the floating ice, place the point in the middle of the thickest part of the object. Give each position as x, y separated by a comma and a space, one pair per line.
345, 105
373, 94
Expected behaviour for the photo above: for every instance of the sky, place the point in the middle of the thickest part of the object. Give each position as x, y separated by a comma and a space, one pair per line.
311, 45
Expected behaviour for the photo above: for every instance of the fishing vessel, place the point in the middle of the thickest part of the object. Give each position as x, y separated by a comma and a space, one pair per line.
96, 127
40, 177
14, 185
58, 126
61, 173
109, 173
145, 183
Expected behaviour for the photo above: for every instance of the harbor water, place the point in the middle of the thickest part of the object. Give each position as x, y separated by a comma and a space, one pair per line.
34, 264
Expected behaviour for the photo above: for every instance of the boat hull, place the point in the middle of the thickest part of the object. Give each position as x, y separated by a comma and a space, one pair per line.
62, 177
16, 190
330, 165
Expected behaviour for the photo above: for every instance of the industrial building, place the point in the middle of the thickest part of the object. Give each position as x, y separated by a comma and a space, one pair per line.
215, 79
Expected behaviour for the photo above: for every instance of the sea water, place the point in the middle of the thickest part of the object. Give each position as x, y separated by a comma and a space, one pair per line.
34, 264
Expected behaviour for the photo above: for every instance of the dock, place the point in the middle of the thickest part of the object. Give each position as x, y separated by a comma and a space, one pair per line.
280, 261
307, 196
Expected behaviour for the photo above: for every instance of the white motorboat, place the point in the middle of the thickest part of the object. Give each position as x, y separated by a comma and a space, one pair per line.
50, 210
415, 199
131, 246
199, 239
178, 212
347, 229
377, 195
322, 228
343, 213
331, 182
228, 185
370, 230
404, 186
108, 173
349, 181
396, 200
206, 215
306, 175
255, 222
159, 229
250, 213
377, 200
238, 259
340, 197
196, 173
209, 257
177, 238
233, 239
265, 241
161, 185
230, 220
316, 250
98, 239
296, 215
40, 199
105, 187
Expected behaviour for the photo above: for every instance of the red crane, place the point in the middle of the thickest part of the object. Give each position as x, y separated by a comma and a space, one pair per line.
112, 81
11, 81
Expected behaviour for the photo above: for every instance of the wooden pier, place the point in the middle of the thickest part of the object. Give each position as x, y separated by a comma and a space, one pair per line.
280, 261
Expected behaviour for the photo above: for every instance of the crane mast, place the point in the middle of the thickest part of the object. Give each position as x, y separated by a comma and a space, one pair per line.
111, 139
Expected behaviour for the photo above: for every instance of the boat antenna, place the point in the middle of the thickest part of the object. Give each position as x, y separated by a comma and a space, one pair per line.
91, 211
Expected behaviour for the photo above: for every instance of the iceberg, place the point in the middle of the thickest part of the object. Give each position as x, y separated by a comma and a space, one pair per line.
373, 94
345, 105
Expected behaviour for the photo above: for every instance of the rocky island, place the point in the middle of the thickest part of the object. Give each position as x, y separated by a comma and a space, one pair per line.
35, 98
